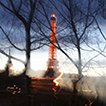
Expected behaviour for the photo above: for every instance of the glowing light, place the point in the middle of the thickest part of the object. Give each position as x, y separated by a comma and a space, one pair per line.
56, 79
53, 15
14, 89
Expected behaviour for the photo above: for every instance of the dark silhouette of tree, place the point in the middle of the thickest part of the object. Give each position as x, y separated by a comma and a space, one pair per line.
76, 21
99, 16
23, 13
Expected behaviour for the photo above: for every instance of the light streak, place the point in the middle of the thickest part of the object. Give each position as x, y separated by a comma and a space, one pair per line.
56, 79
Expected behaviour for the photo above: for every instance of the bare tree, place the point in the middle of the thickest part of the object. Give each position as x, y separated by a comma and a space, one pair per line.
75, 25
77, 20
23, 13
99, 21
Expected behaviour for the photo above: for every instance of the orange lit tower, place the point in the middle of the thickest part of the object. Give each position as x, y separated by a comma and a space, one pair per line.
52, 63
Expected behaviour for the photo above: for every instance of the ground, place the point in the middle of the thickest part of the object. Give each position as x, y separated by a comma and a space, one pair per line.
91, 92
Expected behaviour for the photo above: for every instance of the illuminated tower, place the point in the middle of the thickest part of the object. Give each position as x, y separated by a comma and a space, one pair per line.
52, 63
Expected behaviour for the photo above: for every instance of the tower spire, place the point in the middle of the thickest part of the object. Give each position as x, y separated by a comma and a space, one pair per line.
9, 63
52, 61
9, 58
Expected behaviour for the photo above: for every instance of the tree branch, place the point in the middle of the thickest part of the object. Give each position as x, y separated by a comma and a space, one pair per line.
1, 51
10, 40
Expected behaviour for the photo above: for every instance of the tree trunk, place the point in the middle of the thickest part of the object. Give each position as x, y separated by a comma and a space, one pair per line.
28, 51
28, 48
79, 61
